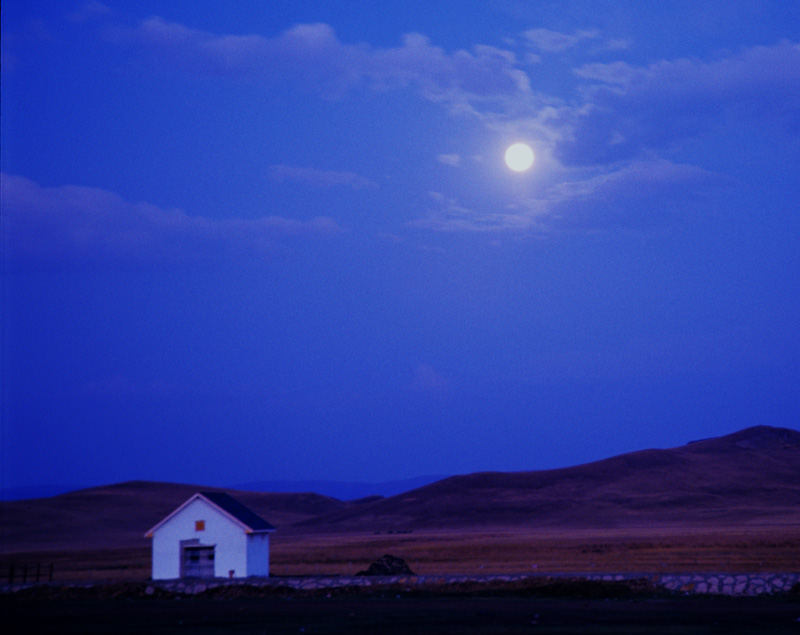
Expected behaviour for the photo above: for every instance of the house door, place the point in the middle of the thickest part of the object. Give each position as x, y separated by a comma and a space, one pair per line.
198, 561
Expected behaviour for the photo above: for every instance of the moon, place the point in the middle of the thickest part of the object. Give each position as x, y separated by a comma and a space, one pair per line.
519, 157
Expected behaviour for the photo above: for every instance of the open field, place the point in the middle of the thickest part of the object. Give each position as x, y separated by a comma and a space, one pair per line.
657, 550
730, 504
518, 551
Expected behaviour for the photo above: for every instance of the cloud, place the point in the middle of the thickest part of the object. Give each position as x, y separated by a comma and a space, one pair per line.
618, 44
453, 160
448, 215
308, 53
642, 195
616, 124
487, 76
313, 56
547, 41
77, 226
620, 109
630, 109
320, 178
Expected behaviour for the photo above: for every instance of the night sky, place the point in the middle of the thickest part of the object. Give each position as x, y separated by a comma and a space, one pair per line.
278, 240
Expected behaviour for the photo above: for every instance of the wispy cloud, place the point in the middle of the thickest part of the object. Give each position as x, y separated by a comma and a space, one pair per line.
618, 44
453, 160
486, 76
547, 41
74, 225
615, 122
641, 195
630, 109
620, 106
448, 215
308, 53
312, 55
320, 178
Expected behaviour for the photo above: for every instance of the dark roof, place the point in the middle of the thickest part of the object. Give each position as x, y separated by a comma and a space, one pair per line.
238, 511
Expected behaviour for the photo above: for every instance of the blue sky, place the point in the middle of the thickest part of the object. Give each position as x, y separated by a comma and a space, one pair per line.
262, 241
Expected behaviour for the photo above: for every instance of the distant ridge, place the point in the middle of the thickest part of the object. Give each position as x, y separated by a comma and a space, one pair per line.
118, 515
742, 478
750, 477
343, 490
35, 491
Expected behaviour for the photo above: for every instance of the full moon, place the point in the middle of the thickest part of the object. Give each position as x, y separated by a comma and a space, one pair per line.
519, 157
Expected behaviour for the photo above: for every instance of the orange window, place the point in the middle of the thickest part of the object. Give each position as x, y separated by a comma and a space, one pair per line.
199, 525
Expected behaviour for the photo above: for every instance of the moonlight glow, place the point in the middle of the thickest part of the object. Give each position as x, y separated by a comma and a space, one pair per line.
519, 157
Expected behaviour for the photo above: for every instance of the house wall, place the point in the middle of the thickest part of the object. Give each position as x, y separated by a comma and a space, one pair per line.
258, 554
230, 540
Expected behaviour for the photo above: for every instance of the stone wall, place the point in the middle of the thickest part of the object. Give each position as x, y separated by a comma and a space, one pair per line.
690, 583
729, 584
716, 583
705, 583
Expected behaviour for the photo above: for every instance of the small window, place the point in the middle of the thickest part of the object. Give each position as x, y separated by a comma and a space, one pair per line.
199, 525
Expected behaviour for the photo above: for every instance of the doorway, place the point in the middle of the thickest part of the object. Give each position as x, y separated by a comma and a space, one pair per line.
197, 561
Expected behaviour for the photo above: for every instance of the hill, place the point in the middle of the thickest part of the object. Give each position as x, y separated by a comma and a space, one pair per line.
748, 477
119, 515
343, 490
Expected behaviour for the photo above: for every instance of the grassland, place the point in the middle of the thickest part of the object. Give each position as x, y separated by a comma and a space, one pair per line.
519, 551
653, 550
730, 504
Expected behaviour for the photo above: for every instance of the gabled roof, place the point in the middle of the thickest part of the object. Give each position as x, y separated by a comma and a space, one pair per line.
245, 515
230, 507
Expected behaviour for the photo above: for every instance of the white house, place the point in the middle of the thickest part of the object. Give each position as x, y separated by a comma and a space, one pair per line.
212, 535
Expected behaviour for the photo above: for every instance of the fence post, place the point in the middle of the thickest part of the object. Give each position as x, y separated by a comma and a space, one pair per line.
36, 571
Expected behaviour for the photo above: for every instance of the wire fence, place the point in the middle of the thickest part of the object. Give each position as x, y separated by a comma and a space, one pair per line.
27, 572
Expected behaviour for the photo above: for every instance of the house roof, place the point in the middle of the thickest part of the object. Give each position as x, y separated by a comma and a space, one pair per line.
241, 513
228, 505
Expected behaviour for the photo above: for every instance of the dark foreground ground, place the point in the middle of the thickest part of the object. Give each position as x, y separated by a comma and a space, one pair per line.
396, 611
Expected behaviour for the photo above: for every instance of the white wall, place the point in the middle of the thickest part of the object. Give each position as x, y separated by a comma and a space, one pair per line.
258, 554
230, 540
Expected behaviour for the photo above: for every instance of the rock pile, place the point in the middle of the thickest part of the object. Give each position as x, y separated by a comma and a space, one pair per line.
388, 565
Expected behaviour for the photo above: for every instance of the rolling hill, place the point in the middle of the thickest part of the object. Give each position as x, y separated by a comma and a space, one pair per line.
119, 515
343, 490
748, 478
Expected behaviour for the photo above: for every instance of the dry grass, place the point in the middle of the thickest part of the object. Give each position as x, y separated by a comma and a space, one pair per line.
80, 564
516, 551
499, 551
734, 505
